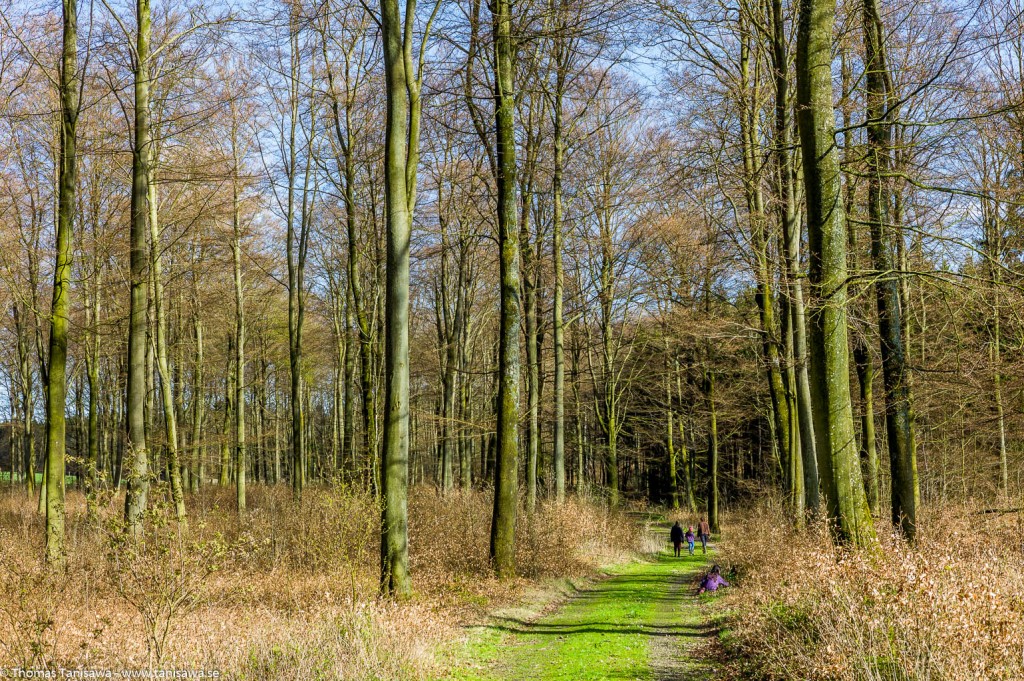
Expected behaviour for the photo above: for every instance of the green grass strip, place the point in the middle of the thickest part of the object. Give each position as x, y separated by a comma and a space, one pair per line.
643, 613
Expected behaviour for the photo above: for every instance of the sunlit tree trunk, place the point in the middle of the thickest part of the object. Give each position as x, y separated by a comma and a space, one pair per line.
562, 54
838, 462
160, 332
236, 259
503, 523
344, 119
92, 356
712, 472
895, 372
198, 403
228, 418
764, 297
27, 401
803, 466
673, 480
56, 376
401, 158
138, 477
296, 256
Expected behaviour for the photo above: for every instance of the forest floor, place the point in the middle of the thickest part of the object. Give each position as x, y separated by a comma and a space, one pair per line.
643, 621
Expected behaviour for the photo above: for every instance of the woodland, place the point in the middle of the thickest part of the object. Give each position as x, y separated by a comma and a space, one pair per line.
328, 327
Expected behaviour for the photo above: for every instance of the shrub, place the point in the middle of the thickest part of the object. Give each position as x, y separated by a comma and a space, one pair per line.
947, 607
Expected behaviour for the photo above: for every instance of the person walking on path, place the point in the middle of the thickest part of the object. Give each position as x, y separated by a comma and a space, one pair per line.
704, 532
690, 538
676, 535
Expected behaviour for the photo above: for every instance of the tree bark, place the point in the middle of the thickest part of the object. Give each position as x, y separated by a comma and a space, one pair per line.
503, 523
138, 477
838, 462
712, 502
895, 372
401, 157
160, 329
236, 260
56, 376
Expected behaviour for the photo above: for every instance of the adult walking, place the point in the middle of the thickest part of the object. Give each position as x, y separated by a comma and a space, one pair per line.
676, 535
704, 532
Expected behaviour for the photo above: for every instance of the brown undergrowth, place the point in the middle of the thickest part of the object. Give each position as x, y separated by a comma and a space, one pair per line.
949, 607
288, 592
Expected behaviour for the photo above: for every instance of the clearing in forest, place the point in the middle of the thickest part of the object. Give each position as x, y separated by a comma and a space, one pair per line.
643, 622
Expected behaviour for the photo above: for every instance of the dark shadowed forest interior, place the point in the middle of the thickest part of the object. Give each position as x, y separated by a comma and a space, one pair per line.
333, 332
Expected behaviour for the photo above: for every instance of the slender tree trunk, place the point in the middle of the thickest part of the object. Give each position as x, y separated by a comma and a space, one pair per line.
838, 462
229, 405
530, 329
558, 322
27, 401
803, 459
764, 297
348, 445
138, 477
401, 157
868, 450
198, 404
712, 503
236, 258
997, 392
160, 328
895, 373
56, 375
503, 523
93, 463
465, 390
670, 442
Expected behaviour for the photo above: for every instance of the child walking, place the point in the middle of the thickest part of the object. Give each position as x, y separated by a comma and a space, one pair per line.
690, 538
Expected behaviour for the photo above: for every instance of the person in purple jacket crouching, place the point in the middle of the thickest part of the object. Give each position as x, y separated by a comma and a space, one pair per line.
712, 581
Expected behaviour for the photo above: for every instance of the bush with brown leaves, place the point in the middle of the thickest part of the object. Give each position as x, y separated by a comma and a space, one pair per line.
950, 606
288, 591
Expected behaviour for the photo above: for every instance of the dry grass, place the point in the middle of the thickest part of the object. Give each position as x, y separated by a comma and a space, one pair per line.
288, 593
951, 607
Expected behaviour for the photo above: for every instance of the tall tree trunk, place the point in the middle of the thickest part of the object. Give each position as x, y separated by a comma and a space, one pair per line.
348, 444
296, 264
138, 477
838, 462
198, 403
670, 442
236, 259
92, 463
401, 157
764, 297
506, 479
530, 330
558, 321
228, 420
27, 402
858, 341
868, 450
56, 375
803, 458
465, 391
895, 373
160, 329
684, 453
712, 503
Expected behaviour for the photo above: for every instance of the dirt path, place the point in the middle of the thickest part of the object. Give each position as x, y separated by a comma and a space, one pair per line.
675, 656
642, 623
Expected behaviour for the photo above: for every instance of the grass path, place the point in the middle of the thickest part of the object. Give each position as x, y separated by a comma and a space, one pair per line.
641, 623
